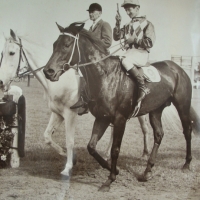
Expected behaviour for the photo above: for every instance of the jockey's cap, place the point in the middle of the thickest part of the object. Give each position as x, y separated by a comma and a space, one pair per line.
133, 2
95, 6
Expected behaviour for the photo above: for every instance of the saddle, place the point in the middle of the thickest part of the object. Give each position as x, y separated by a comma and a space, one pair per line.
150, 73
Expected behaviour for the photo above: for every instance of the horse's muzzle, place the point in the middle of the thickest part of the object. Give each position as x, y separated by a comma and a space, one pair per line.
51, 75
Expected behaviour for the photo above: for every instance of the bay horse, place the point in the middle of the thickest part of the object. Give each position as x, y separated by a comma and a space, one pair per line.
61, 94
113, 95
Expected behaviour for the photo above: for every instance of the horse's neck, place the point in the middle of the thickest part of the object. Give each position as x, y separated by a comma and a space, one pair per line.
90, 73
95, 74
33, 65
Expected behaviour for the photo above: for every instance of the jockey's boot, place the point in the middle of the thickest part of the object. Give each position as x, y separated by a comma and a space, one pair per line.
81, 103
143, 90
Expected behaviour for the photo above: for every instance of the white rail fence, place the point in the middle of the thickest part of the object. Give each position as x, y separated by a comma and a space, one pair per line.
191, 65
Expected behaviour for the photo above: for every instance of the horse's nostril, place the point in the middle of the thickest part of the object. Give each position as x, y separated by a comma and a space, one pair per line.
1, 82
50, 71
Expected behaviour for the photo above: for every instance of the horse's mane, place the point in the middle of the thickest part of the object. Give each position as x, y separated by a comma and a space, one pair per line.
94, 40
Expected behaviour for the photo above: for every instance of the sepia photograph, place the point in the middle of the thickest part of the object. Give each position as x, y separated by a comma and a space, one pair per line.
100, 99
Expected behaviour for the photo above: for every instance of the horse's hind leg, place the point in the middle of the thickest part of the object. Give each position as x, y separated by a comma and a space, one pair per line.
155, 121
143, 123
54, 123
183, 108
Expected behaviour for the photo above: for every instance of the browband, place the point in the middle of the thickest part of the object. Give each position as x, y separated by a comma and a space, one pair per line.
69, 35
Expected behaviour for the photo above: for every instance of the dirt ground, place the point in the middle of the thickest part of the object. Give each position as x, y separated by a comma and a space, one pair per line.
38, 176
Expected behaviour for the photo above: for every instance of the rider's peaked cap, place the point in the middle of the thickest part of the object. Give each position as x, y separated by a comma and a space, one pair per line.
133, 2
95, 6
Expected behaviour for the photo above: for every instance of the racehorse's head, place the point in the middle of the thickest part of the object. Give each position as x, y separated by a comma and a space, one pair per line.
9, 61
65, 52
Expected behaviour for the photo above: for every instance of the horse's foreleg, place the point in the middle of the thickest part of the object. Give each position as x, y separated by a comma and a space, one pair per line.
144, 126
54, 123
108, 149
145, 130
119, 127
100, 126
155, 121
70, 118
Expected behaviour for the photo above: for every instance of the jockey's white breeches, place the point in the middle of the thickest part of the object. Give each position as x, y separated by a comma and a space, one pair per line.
138, 57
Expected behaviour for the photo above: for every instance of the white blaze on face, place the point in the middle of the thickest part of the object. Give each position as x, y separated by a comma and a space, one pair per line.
9, 63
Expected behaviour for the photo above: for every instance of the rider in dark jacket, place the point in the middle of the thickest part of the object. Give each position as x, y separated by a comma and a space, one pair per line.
103, 31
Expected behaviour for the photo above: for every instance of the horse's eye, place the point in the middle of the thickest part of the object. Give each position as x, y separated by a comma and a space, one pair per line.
68, 44
12, 53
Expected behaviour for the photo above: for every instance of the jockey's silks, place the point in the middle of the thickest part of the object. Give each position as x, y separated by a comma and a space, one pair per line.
135, 28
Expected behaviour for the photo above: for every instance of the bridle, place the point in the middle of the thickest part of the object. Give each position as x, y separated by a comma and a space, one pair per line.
21, 52
77, 65
76, 38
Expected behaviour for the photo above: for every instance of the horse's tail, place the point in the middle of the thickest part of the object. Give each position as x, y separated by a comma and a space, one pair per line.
195, 121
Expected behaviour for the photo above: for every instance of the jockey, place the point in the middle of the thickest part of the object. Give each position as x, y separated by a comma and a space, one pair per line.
139, 37
103, 31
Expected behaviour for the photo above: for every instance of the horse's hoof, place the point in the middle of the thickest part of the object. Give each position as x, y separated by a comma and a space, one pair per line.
145, 177
104, 188
65, 175
186, 168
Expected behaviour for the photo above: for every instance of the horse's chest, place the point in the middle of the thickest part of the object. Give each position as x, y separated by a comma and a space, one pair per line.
58, 101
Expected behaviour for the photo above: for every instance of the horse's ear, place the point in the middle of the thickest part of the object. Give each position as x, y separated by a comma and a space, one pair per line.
76, 27
79, 27
12, 34
60, 28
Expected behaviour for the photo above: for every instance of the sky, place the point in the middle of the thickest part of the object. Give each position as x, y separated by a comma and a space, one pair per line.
176, 22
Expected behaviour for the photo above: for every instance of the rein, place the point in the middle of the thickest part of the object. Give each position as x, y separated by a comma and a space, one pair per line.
20, 57
75, 67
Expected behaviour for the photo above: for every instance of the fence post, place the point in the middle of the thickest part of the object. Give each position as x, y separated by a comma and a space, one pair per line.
28, 80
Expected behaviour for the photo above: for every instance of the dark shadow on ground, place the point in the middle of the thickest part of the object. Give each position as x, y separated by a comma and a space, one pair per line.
48, 164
